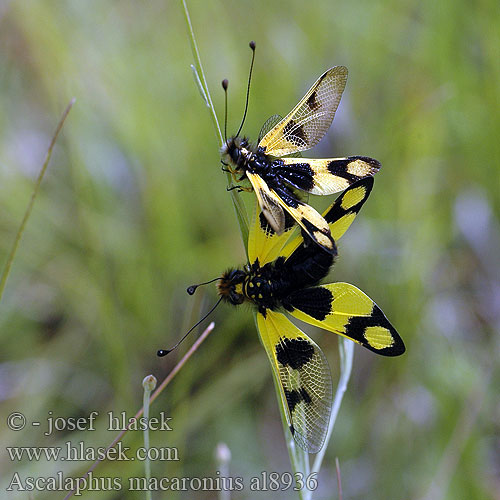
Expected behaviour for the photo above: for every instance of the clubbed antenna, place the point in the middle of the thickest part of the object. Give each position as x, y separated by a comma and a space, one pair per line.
191, 289
252, 46
225, 84
164, 352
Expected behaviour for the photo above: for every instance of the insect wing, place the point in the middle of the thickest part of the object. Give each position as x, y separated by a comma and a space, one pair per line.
264, 243
325, 176
272, 206
308, 122
344, 309
268, 202
310, 221
340, 214
269, 124
303, 378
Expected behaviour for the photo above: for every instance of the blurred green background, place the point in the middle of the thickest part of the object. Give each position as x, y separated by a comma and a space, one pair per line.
134, 208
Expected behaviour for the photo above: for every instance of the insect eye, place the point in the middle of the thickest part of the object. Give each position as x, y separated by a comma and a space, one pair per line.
235, 154
236, 298
236, 276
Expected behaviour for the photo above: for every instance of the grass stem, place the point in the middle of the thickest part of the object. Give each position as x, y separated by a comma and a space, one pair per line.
149, 384
158, 391
29, 208
201, 82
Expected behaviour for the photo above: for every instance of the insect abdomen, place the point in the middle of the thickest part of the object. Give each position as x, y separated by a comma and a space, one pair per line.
307, 266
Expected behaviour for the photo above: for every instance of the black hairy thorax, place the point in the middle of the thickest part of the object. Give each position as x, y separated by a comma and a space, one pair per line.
247, 157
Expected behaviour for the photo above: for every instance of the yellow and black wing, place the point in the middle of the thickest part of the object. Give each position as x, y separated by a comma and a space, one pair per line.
325, 176
273, 205
303, 377
340, 214
344, 309
264, 243
311, 222
269, 203
309, 121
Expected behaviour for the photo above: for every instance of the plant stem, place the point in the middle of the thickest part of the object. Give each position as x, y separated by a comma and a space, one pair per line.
239, 206
36, 188
346, 350
199, 68
158, 391
149, 383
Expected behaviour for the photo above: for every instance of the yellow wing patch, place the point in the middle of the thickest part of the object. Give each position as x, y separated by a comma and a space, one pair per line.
378, 337
309, 121
352, 197
264, 243
341, 214
344, 309
303, 377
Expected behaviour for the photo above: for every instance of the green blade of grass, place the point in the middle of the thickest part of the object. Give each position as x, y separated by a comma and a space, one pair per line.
201, 82
29, 208
346, 350
149, 384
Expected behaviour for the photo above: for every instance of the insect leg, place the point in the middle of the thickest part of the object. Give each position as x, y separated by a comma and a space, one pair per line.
239, 188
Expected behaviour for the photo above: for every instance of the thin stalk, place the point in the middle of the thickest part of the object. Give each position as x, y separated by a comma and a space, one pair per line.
158, 391
36, 188
346, 351
149, 384
339, 480
299, 459
200, 72
201, 81
223, 457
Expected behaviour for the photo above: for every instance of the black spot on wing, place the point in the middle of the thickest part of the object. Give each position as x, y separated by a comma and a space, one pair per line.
356, 326
309, 226
294, 397
340, 167
312, 102
291, 131
299, 175
336, 211
314, 301
294, 353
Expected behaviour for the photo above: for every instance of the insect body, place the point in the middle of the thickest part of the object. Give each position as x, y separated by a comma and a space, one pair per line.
273, 285
275, 177
285, 276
